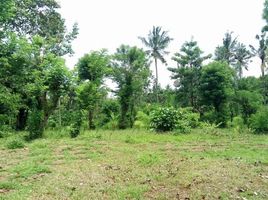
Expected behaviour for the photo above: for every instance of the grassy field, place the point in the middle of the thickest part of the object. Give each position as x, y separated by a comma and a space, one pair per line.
136, 165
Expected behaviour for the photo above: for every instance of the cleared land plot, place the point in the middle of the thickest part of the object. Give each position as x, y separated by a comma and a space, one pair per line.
137, 165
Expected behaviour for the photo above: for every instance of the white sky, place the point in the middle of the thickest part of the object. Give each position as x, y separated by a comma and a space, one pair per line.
110, 23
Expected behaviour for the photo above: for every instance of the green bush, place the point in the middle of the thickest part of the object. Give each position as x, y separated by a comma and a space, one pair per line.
142, 120
15, 144
169, 119
75, 131
187, 115
259, 120
35, 124
238, 122
76, 125
112, 124
164, 119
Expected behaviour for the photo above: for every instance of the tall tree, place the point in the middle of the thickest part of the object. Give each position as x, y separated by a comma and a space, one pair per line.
32, 37
216, 87
242, 59
233, 53
131, 73
226, 51
41, 17
187, 73
265, 16
92, 69
260, 51
157, 42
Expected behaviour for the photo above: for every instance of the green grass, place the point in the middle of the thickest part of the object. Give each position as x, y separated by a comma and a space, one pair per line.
135, 164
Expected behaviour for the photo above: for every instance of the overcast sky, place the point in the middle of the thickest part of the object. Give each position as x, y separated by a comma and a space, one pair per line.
110, 23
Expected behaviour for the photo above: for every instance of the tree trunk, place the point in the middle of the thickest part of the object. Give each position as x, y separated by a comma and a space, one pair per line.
263, 66
90, 120
156, 80
21, 119
59, 112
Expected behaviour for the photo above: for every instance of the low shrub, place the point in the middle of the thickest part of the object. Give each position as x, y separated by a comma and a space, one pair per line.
142, 121
76, 125
112, 124
259, 121
169, 119
237, 122
189, 117
164, 119
15, 143
35, 124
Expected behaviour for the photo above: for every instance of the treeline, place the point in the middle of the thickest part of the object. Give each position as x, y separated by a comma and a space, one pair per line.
38, 91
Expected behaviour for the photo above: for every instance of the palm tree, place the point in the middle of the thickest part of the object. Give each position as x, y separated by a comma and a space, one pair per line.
157, 41
242, 58
226, 51
261, 50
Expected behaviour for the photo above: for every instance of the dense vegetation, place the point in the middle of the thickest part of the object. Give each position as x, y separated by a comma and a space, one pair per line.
38, 92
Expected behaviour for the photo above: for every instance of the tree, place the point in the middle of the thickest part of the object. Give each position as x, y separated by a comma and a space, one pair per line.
226, 51
29, 54
187, 72
216, 87
157, 41
233, 53
248, 102
41, 17
265, 16
242, 58
92, 69
130, 72
261, 51
7, 8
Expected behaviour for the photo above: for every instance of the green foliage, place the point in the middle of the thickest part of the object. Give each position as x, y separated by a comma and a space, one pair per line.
187, 73
249, 83
131, 73
259, 120
31, 17
112, 124
157, 41
237, 122
108, 110
94, 66
216, 88
233, 53
260, 51
142, 120
30, 65
76, 125
164, 119
187, 115
169, 119
15, 143
248, 102
35, 124
225, 53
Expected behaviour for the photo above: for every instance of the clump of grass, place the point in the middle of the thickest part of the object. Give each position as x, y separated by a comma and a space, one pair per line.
131, 192
130, 140
148, 159
98, 136
8, 185
15, 143
28, 169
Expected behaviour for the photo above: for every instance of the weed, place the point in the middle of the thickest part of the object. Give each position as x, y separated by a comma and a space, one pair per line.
15, 143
